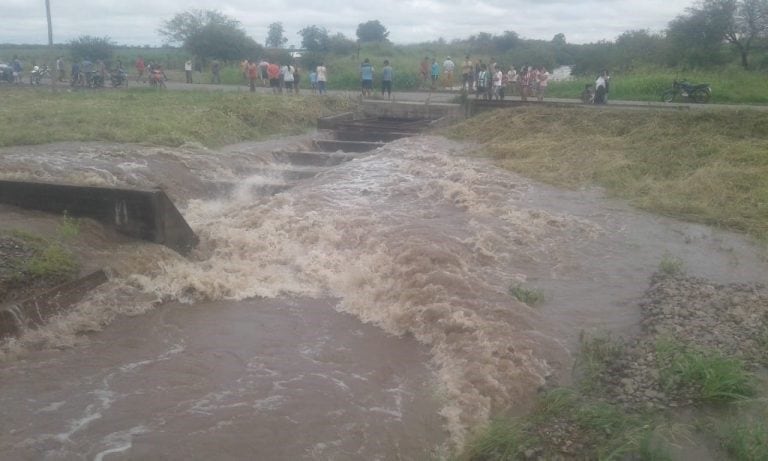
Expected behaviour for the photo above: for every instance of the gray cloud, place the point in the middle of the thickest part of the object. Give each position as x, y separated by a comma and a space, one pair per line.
135, 22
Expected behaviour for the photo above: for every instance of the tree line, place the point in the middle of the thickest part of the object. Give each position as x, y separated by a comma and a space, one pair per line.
711, 34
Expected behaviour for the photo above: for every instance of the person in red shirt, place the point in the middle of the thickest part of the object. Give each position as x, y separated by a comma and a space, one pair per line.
273, 72
140, 66
253, 73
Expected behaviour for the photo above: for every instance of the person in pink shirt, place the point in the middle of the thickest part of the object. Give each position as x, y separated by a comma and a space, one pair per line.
543, 77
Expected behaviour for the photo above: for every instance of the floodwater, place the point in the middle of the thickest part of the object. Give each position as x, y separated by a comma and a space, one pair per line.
360, 311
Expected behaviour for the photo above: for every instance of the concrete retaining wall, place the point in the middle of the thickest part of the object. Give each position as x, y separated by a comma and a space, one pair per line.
34, 311
145, 214
413, 110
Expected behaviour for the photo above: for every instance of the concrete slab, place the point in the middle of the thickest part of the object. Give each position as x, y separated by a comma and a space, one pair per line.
145, 214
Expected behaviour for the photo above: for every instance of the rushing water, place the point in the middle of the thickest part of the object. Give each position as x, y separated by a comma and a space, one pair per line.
363, 312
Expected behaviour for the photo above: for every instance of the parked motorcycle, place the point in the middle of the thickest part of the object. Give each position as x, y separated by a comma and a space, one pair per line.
37, 74
6, 73
687, 91
119, 78
97, 81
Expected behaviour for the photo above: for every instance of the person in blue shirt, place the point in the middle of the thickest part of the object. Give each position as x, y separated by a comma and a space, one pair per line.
387, 75
366, 75
435, 73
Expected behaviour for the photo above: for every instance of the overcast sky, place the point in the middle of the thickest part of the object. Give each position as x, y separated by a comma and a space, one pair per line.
135, 22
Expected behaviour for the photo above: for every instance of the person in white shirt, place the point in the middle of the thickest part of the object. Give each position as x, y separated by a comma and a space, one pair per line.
287, 73
322, 78
543, 77
448, 67
188, 70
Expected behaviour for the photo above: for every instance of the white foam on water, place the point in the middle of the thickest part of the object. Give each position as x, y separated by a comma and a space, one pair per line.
118, 442
414, 239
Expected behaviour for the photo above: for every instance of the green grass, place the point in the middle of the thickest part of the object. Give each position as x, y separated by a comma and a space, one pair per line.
704, 375
746, 438
732, 85
708, 166
51, 260
171, 118
502, 440
529, 296
671, 266
69, 227
596, 430
598, 353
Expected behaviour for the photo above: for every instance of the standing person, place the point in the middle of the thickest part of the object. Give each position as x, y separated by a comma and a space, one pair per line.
448, 67
498, 82
287, 74
366, 77
424, 70
466, 74
322, 78
387, 75
60, 68
188, 70
296, 79
263, 66
87, 68
215, 71
607, 79
522, 83
435, 73
543, 76
482, 82
140, 66
75, 76
273, 72
253, 73
17, 69
313, 81
244, 69
533, 81
511, 79
601, 90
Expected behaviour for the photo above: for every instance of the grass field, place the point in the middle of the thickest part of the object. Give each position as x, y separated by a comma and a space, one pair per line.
730, 86
709, 167
157, 117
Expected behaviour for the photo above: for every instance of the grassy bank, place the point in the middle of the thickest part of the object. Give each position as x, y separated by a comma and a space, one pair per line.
674, 391
731, 86
708, 167
37, 116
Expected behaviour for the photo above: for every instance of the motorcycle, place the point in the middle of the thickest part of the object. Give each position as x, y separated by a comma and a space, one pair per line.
697, 93
37, 74
96, 81
119, 78
6, 73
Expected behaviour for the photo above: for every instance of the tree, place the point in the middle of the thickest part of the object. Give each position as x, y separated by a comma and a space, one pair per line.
559, 39
314, 38
341, 44
748, 21
92, 48
210, 34
276, 35
737, 22
372, 31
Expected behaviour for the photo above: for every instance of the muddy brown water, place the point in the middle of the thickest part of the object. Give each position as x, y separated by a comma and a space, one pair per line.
360, 311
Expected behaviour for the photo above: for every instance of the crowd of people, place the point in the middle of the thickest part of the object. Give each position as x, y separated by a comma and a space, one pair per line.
486, 80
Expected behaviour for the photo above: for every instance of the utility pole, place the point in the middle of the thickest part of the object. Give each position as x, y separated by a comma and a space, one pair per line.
50, 27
